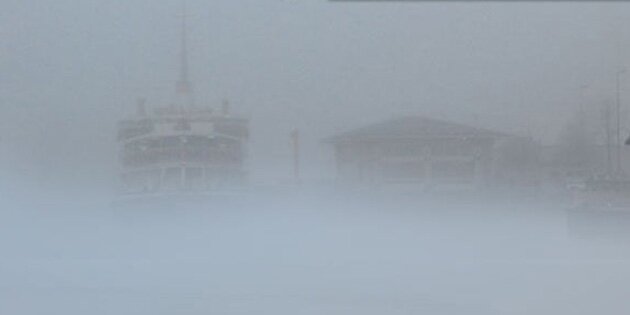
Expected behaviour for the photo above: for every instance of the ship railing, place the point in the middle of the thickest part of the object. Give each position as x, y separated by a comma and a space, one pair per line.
152, 156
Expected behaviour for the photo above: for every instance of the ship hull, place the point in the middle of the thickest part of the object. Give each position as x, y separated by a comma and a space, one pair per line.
178, 199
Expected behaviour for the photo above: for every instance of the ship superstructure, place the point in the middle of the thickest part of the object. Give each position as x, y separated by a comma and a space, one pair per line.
182, 147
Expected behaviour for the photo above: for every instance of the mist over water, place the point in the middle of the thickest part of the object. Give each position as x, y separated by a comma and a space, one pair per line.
310, 253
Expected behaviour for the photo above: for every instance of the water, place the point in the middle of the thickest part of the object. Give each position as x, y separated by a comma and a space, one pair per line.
311, 253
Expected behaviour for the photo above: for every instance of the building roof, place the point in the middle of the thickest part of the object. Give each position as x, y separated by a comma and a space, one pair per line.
411, 127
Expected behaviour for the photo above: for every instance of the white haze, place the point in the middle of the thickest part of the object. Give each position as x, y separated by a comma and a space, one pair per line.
69, 70
269, 254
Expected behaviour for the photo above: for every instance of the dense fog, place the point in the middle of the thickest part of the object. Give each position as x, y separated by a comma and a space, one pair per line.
314, 157
273, 254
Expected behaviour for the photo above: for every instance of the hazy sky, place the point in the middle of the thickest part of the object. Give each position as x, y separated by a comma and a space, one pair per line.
71, 69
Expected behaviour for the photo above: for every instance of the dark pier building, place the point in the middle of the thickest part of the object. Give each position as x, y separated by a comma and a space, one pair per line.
416, 151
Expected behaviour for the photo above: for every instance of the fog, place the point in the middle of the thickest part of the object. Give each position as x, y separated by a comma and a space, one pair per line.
323, 242
273, 254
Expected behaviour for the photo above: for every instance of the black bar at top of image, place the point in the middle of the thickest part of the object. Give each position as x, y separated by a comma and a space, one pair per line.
593, 1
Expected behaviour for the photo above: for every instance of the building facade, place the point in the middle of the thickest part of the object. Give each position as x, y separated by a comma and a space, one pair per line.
415, 151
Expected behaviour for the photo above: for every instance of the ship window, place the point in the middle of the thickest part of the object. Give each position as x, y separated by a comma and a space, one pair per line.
200, 141
170, 142
172, 178
137, 182
154, 180
182, 125
215, 177
194, 178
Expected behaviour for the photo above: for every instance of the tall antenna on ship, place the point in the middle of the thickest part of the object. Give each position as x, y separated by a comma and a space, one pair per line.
184, 87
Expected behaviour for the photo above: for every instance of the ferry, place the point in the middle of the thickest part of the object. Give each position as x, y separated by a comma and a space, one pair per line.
182, 150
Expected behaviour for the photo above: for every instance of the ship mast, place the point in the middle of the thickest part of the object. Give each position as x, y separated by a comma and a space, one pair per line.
184, 87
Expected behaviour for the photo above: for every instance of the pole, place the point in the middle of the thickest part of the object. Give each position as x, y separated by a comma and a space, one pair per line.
582, 106
618, 121
608, 140
295, 140
184, 86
